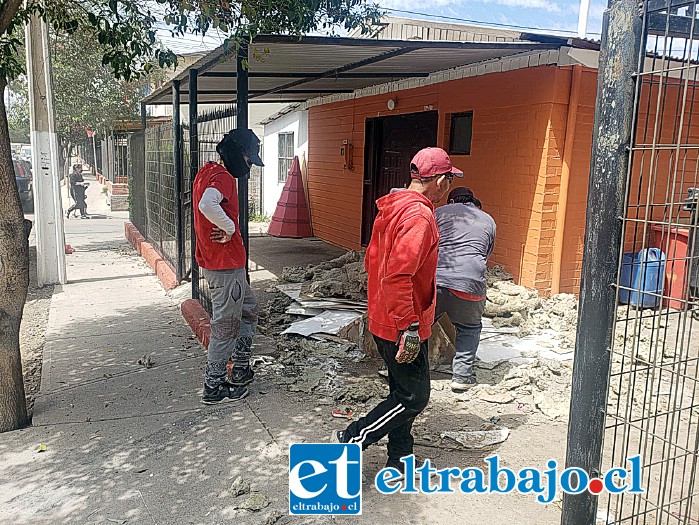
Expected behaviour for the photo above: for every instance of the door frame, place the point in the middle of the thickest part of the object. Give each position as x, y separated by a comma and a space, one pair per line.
373, 148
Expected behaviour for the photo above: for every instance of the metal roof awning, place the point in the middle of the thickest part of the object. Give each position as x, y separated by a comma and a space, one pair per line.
291, 69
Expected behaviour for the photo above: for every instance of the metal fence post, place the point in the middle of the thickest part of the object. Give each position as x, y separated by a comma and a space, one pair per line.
242, 123
614, 117
193, 168
177, 159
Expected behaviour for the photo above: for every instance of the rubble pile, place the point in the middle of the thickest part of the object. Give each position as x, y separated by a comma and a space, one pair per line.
513, 305
341, 277
559, 314
645, 339
273, 318
542, 385
309, 366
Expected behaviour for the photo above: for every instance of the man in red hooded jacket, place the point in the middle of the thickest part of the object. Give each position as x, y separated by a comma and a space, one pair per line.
401, 262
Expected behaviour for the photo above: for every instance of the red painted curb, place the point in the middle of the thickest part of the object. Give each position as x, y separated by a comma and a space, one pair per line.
162, 269
198, 320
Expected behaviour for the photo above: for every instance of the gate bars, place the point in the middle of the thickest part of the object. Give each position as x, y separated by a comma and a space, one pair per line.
635, 377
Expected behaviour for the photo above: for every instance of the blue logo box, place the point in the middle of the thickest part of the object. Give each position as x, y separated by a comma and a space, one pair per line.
325, 478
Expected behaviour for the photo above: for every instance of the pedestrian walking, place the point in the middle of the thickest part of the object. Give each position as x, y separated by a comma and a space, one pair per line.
220, 254
466, 240
77, 187
401, 262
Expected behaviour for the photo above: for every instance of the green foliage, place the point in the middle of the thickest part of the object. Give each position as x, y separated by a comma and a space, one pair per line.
87, 94
18, 111
126, 30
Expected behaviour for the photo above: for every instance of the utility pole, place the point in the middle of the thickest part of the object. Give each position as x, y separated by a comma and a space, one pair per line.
583, 15
50, 238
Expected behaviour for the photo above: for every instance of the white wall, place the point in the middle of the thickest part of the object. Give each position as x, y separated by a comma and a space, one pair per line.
296, 122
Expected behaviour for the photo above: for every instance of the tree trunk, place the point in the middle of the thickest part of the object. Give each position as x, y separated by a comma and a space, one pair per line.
14, 281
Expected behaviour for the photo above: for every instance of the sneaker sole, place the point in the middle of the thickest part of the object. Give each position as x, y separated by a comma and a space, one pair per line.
226, 399
461, 388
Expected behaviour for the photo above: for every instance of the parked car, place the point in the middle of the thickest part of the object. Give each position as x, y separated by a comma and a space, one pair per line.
25, 184
26, 154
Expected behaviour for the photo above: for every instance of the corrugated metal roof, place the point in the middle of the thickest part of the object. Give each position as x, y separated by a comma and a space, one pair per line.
289, 69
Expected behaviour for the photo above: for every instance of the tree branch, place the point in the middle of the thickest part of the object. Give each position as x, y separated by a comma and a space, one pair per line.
7, 13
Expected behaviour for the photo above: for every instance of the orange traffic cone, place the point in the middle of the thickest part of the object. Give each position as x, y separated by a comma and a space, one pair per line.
292, 216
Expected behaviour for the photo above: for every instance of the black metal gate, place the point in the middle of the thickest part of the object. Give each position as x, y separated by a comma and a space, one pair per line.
636, 373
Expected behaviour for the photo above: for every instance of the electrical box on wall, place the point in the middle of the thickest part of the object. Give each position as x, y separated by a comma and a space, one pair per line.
347, 152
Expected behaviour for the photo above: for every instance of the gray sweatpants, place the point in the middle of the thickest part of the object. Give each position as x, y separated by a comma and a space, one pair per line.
233, 322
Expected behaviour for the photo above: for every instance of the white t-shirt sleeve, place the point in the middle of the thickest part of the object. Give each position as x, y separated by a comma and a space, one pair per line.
210, 207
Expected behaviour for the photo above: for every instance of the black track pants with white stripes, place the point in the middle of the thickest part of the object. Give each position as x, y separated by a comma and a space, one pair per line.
409, 386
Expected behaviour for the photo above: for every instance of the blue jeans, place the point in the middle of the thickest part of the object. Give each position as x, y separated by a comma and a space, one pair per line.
467, 339
466, 317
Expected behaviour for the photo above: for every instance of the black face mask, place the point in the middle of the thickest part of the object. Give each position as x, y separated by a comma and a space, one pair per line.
233, 158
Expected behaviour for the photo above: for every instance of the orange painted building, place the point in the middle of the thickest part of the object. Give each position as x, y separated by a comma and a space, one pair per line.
521, 152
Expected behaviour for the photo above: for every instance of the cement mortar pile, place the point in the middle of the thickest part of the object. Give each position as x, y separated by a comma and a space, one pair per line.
541, 385
341, 277
511, 305
508, 304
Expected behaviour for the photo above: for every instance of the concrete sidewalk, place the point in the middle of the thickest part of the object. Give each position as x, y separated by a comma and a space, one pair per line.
124, 443
130, 444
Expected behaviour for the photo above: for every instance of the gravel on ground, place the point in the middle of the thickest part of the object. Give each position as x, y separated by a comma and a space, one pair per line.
32, 333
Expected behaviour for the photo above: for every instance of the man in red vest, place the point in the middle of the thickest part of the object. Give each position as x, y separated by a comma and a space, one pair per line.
220, 254
401, 262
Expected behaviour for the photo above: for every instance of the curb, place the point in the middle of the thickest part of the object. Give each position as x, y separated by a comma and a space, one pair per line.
162, 269
198, 320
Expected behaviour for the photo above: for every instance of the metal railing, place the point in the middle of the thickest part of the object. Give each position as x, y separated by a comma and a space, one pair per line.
654, 382
162, 227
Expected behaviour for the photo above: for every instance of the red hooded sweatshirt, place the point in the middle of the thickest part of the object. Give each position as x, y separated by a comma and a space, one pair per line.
401, 262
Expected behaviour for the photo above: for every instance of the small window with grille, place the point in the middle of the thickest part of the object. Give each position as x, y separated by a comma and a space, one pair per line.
460, 133
286, 154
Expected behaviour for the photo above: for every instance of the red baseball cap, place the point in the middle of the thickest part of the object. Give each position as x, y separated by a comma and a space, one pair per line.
429, 162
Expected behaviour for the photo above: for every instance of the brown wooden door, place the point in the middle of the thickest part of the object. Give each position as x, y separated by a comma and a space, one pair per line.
391, 142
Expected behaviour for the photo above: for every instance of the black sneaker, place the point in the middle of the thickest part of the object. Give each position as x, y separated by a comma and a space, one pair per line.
383, 371
338, 436
462, 384
241, 376
222, 394
398, 465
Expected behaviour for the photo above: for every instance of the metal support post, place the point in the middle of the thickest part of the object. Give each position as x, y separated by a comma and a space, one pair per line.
177, 160
193, 169
614, 119
242, 123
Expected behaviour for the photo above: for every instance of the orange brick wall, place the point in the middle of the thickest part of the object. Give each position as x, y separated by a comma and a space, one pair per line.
515, 166
507, 168
657, 178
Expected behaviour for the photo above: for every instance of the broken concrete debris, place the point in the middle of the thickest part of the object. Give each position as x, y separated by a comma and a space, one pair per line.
361, 392
542, 385
240, 486
341, 277
477, 439
532, 373
255, 502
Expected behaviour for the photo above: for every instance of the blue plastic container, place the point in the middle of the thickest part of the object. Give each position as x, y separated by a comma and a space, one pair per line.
644, 274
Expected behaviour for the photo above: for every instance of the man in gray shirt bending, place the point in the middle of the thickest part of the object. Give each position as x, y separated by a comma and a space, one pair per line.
467, 236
